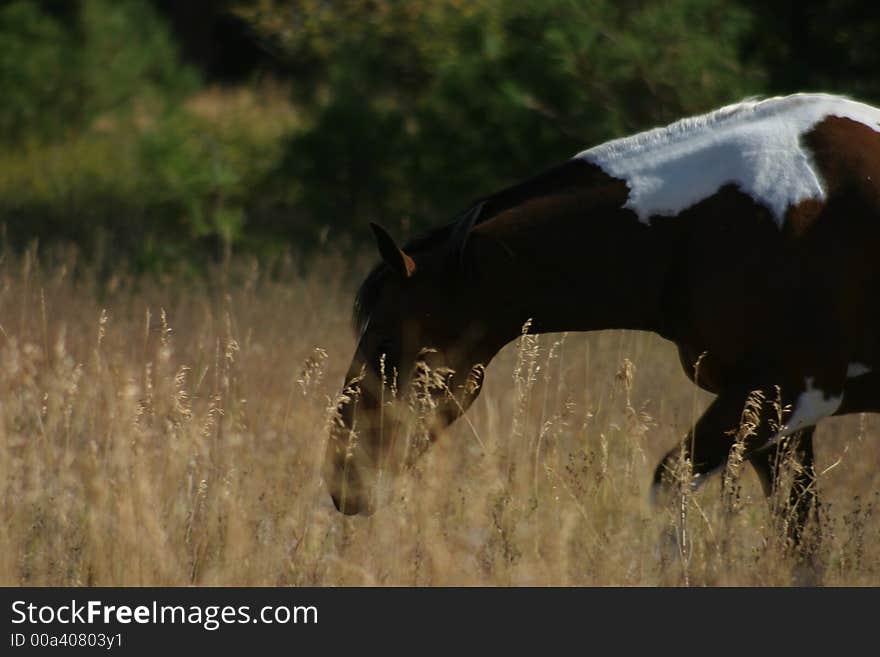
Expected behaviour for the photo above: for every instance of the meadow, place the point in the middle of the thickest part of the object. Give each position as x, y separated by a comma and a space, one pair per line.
169, 430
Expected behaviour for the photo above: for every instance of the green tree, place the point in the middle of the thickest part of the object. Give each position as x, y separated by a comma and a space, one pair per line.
37, 59
416, 108
60, 70
817, 45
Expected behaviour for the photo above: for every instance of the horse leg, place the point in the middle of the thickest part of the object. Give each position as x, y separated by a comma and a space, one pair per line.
803, 497
706, 449
708, 445
808, 393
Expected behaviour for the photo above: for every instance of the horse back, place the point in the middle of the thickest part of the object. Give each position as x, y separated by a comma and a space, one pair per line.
755, 294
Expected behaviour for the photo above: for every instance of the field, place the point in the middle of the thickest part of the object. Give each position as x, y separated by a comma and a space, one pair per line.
171, 432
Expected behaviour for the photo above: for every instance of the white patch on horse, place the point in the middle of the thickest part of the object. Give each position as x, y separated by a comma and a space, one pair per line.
754, 145
812, 405
857, 369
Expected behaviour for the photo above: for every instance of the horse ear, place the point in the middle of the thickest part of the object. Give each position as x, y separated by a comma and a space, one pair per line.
393, 256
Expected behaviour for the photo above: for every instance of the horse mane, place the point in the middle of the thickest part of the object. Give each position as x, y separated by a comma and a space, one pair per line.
453, 236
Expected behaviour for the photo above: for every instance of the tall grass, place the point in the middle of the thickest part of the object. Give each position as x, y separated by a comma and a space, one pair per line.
170, 432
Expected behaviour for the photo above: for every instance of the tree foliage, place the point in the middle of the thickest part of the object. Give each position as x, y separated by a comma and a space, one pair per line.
415, 108
398, 112
64, 64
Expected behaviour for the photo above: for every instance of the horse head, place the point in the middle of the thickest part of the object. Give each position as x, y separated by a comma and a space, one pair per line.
422, 346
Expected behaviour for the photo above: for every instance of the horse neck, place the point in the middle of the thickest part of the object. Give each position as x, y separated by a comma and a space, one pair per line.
574, 261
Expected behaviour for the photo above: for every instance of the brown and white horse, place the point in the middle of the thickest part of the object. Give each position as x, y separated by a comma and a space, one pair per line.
749, 236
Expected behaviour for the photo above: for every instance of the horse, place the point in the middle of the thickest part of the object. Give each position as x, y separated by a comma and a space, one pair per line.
748, 236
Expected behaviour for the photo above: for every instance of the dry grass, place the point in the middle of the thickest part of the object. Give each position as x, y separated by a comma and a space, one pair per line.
171, 434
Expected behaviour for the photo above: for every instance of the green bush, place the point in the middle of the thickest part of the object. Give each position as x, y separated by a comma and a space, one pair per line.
37, 61
59, 76
398, 112
417, 108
